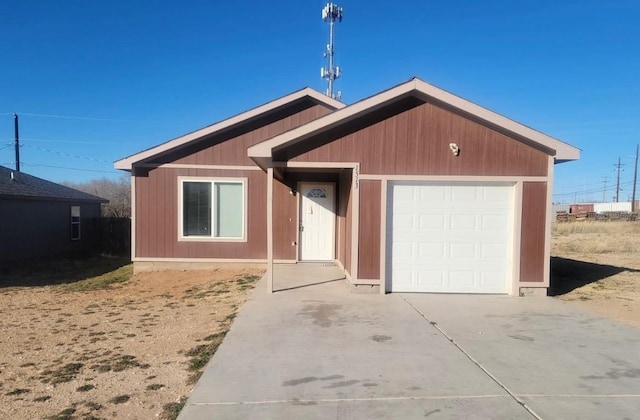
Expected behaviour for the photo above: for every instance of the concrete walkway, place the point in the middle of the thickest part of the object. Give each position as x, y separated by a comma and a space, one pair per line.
321, 352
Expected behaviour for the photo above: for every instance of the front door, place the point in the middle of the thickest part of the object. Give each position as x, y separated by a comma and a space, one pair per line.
317, 222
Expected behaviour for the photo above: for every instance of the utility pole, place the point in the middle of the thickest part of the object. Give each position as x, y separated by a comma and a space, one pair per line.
618, 169
17, 141
604, 189
635, 179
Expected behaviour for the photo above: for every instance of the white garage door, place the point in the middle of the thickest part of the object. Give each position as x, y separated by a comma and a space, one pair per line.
450, 238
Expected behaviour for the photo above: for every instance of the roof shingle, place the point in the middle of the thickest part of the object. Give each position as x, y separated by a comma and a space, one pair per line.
20, 185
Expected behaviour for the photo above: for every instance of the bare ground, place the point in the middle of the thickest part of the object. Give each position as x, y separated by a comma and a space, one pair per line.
597, 265
134, 350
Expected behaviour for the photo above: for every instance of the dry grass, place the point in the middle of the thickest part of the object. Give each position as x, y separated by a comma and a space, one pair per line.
597, 264
596, 237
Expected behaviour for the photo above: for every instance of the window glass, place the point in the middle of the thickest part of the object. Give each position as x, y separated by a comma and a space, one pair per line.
197, 209
317, 193
213, 208
229, 214
75, 222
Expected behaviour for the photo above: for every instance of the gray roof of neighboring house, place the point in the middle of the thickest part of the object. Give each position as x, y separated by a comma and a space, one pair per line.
20, 185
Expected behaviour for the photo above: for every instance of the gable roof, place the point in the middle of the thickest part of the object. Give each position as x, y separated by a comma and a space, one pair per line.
269, 107
262, 152
20, 185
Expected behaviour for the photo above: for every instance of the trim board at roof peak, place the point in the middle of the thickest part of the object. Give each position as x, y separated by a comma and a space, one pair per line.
418, 88
128, 162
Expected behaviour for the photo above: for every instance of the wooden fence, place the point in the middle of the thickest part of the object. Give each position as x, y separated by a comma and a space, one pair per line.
115, 235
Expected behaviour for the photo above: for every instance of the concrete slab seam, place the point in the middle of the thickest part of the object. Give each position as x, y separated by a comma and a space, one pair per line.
332, 400
475, 362
618, 396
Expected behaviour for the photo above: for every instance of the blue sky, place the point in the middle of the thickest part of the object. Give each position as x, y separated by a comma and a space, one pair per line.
134, 74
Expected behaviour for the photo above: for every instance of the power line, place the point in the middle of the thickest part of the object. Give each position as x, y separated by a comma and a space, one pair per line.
67, 154
73, 169
593, 191
71, 117
40, 140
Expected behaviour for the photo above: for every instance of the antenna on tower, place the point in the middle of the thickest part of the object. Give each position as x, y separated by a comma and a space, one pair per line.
331, 12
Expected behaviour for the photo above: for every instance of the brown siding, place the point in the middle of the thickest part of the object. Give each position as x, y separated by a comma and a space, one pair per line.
344, 197
534, 214
157, 217
284, 222
414, 140
348, 238
156, 198
234, 150
369, 230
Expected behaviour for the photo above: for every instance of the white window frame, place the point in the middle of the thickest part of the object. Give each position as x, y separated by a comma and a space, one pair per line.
76, 221
212, 181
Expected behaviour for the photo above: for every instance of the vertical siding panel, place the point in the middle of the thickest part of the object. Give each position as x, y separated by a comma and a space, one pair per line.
348, 226
401, 143
285, 222
534, 205
390, 147
142, 190
233, 151
377, 140
171, 226
369, 234
413, 140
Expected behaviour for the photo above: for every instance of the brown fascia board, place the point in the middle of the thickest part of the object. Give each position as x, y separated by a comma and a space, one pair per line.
561, 151
182, 141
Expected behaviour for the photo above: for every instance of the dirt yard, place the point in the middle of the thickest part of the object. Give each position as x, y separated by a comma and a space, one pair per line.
112, 346
86, 340
597, 265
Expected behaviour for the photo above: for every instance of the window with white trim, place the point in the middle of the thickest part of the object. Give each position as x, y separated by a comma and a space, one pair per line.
213, 208
75, 223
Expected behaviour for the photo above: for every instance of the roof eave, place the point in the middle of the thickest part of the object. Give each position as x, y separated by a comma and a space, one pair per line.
562, 151
182, 141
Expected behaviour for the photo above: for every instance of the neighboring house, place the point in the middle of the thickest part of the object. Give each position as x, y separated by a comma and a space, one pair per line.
44, 219
413, 189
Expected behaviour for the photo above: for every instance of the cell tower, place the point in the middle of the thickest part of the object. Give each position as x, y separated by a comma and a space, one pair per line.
330, 13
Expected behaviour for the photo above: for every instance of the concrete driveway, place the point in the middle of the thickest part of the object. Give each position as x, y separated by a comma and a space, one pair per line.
321, 352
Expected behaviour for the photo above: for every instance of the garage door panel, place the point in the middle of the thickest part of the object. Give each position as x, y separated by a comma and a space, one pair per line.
430, 278
431, 221
464, 194
493, 222
496, 251
462, 251
458, 238
460, 280
431, 250
464, 221
424, 195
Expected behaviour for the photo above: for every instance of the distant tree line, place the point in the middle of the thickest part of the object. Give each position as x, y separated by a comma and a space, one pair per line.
118, 192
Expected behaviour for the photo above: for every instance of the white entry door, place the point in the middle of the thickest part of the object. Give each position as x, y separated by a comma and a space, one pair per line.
317, 222
450, 238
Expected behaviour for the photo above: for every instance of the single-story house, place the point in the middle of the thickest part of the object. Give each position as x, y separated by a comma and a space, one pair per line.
413, 189
44, 219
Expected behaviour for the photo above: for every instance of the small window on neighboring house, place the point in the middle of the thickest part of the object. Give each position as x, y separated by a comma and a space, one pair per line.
75, 223
213, 209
